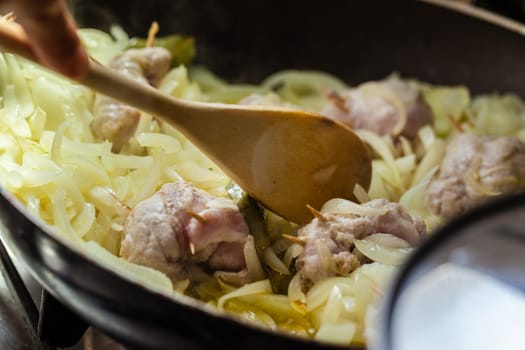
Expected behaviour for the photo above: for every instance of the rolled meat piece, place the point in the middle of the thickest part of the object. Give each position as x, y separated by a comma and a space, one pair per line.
474, 169
390, 107
115, 121
329, 241
181, 225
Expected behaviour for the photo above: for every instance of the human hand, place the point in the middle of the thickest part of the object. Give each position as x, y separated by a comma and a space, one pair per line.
52, 34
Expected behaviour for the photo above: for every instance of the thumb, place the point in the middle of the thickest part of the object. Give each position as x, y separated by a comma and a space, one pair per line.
53, 36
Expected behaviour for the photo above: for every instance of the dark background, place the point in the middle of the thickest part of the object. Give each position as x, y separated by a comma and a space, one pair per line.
246, 41
511, 8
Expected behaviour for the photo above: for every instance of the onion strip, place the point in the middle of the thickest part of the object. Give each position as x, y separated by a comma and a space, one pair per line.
253, 265
273, 261
344, 206
381, 253
260, 287
296, 297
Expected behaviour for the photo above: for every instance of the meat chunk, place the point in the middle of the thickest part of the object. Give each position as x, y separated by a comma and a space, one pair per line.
389, 107
329, 241
115, 121
182, 225
473, 169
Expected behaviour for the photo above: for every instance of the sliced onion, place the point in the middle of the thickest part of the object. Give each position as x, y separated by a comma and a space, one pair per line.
370, 283
371, 322
381, 147
181, 286
293, 252
427, 136
252, 313
260, 287
83, 222
149, 139
431, 159
273, 261
61, 217
333, 307
406, 164
276, 305
388, 240
253, 265
360, 194
341, 333
344, 206
320, 292
414, 199
105, 201
349, 304
382, 254
296, 297
123, 161
406, 146
56, 147
378, 186
143, 275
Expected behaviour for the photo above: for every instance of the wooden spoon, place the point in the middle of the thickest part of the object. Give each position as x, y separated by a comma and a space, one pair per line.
285, 158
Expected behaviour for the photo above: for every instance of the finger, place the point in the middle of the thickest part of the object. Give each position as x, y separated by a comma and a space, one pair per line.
53, 35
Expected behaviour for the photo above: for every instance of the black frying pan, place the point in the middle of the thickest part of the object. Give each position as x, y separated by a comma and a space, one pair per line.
246, 41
